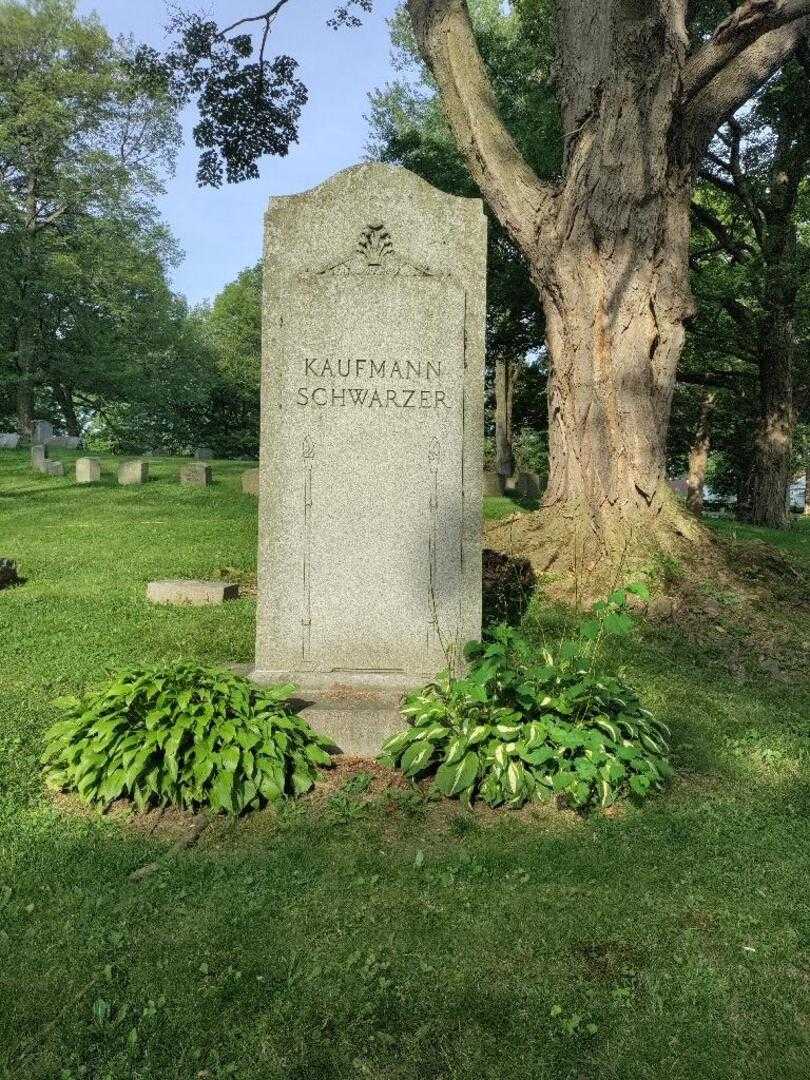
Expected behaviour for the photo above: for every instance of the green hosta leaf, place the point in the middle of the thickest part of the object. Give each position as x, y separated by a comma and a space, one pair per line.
230, 758
453, 779
417, 757
455, 750
317, 755
515, 779
537, 757
563, 780
478, 734
394, 746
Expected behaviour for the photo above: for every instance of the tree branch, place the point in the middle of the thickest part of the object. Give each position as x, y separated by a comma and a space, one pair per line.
743, 26
519, 199
739, 80
267, 18
727, 379
739, 252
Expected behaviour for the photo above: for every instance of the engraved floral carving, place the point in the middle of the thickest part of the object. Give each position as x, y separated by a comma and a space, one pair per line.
375, 253
375, 246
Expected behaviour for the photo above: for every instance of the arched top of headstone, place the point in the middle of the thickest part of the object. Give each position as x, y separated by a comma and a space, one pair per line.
375, 219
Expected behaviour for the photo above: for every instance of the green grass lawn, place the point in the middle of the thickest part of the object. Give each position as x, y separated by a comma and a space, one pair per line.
383, 937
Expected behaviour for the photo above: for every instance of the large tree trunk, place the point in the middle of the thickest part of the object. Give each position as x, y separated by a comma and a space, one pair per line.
607, 246
699, 454
25, 381
64, 396
504, 457
614, 316
770, 471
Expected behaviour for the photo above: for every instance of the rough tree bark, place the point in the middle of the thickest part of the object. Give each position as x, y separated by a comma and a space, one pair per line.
699, 454
504, 456
770, 474
64, 398
608, 245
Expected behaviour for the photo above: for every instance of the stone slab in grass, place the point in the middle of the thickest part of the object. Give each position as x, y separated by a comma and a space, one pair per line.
54, 468
133, 472
196, 475
39, 455
88, 470
250, 482
190, 591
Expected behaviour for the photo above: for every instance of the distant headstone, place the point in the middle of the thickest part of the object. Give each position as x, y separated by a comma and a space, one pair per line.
65, 442
133, 472
250, 482
9, 440
192, 592
41, 432
369, 569
492, 483
528, 485
203, 453
8, 573
54, 468
39, 456
196, 474
88, 470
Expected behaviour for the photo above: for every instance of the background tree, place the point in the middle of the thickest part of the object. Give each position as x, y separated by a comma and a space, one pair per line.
83, 134
641, 93
408, 127
758, 167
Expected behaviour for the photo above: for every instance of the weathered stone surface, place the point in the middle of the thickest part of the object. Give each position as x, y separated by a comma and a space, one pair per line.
8, 573
65, 442
39, 456
196, 475
190, 591
250, 482
41, 432
133, 472
528, 485
54, 468
88, 470
492, 483
9, 440
372, 430
203, 453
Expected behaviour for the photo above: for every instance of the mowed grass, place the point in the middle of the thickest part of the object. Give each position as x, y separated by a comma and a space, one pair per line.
389, 938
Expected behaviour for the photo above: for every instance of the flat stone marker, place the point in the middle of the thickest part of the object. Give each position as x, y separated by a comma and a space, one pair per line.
9, 440
133, 472
203, 453
191, 592
196, 474
39, 456
54, 468
369, 574
250, 482
88, 470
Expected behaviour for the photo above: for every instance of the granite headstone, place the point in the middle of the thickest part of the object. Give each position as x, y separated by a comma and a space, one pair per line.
133, 472
88, 470
196, 474
369, 569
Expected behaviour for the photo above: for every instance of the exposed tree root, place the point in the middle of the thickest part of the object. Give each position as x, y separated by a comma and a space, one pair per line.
578, 559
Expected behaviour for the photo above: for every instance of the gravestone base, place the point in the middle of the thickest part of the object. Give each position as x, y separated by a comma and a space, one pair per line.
356, 712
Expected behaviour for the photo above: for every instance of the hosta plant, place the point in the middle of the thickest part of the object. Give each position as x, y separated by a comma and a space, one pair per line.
185, 735
528, 724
